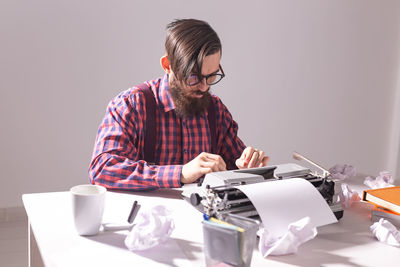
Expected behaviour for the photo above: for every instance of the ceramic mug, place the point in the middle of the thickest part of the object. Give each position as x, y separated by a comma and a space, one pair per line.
87, 208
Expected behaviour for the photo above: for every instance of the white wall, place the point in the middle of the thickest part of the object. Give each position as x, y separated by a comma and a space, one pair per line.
317, 76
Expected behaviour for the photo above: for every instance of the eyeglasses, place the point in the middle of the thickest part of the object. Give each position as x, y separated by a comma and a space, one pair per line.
211, 79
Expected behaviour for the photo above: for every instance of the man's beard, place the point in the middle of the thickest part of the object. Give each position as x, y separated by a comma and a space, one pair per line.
185, 105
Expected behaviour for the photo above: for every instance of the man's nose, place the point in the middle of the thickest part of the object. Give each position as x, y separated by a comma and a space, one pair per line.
203, 86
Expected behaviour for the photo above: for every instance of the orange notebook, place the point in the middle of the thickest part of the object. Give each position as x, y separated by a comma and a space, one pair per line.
388, 197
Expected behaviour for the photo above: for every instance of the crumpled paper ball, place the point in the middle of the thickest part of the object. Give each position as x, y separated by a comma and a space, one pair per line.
348, 196
152, 227
298, 233
386, 232
384, 179
342, 171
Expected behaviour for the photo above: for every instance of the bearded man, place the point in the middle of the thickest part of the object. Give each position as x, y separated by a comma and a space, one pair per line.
171, 131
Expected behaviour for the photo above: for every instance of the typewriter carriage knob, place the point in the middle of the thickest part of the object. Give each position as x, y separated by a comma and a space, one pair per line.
195, 199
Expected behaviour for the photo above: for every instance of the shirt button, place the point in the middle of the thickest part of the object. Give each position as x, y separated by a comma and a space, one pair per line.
185, 151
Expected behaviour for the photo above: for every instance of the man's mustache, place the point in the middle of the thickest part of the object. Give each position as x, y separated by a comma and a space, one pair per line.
201, 92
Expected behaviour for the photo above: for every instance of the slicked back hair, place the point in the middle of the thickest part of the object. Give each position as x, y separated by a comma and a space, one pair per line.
187, 43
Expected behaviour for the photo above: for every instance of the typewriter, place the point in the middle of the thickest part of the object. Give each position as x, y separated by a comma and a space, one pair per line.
219, 193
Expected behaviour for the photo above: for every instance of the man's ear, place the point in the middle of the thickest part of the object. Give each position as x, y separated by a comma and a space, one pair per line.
165, 64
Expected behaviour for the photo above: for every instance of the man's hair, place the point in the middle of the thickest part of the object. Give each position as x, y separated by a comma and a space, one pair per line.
188, 42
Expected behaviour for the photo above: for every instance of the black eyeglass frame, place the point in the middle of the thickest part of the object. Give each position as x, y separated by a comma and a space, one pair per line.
201, 77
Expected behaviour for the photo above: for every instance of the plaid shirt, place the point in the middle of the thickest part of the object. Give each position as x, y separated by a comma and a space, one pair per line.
117, 160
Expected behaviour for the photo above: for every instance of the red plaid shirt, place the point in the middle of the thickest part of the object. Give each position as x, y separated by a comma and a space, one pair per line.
117, 160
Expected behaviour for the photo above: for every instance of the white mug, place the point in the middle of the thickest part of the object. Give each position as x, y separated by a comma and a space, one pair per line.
87, 207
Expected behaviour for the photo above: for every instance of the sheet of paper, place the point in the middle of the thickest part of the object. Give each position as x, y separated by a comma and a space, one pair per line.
282, 202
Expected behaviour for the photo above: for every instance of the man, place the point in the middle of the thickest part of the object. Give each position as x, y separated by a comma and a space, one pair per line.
183, 139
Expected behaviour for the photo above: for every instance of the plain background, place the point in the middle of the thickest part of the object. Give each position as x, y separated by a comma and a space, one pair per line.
318, 77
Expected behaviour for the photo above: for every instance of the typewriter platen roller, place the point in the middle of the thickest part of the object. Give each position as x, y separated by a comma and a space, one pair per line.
219, 194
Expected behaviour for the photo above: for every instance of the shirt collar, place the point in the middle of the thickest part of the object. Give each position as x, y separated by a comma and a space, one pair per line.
165, 97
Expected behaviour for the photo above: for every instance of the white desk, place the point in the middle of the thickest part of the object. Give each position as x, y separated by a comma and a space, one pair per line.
346, 243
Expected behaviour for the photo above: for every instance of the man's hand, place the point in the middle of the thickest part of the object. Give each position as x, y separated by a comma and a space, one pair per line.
252, 157
201, 165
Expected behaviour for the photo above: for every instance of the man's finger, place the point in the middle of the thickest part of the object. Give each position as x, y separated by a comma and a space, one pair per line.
212, 156
218, 159
240, 163
265, 160
254, 160
213, 165
247, 154
222, 166
261, 155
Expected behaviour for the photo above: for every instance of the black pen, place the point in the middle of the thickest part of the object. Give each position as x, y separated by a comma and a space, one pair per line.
134, 211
